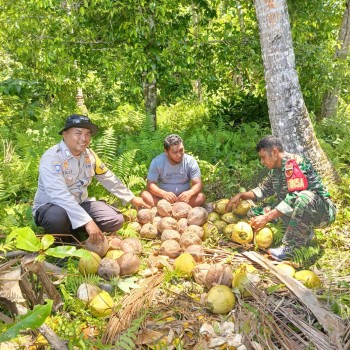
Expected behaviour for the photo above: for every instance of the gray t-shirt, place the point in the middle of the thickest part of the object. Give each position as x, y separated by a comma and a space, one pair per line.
173, 177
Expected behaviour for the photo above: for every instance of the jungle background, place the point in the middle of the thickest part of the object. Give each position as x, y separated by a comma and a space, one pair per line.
144, 69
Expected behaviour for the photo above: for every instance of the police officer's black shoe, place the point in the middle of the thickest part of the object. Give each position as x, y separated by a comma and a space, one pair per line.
280, 253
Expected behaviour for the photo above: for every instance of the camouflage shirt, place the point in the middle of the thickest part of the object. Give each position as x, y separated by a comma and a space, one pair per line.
275, 184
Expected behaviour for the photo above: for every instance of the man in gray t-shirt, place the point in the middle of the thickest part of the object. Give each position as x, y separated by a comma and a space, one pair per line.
174, 176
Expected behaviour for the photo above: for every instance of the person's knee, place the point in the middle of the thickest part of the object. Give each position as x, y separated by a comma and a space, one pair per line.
201, 198
148, 198
56, 221
112, 225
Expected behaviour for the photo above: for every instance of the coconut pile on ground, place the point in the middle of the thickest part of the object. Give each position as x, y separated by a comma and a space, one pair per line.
216, 290
203, 282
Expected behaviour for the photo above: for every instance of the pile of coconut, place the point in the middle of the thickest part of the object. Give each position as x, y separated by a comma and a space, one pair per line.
180, 230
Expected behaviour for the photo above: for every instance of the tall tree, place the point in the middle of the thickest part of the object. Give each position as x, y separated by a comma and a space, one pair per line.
331, 96
288, 114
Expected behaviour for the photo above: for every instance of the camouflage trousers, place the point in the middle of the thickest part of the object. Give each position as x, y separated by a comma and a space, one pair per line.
310, 211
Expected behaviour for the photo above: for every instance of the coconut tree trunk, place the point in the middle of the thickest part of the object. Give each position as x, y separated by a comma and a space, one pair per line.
288, 115
331, 96
149, 77
150, 98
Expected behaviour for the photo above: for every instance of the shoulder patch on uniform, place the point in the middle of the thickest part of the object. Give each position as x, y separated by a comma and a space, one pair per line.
56, 167
100, 168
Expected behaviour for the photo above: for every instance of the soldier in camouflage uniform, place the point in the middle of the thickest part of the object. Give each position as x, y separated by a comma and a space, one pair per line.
303, 201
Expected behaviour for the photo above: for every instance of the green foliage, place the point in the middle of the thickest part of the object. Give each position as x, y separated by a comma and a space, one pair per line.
31, 320
126, 340
306, 256
25, 239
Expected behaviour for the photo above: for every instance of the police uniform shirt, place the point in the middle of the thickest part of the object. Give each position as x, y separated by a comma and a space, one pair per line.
64, 180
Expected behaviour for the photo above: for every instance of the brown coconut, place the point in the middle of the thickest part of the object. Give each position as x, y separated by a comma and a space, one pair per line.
209, 207
198, 230
219, 274
129, 264
167, 223
197, 251
108, 269
170, 248
182, 225
114, 242
200, 273
148, 231
189, 238
170, 234
155, 221
131, 244
180, 210
164, 208
197, 216
144, 216
99, 248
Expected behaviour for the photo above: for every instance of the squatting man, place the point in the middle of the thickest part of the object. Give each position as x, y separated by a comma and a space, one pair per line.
303, 202
61, 203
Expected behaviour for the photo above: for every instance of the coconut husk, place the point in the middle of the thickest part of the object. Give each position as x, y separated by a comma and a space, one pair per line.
134, 305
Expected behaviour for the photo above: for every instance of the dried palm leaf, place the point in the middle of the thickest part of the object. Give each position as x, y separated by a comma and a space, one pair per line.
133, 305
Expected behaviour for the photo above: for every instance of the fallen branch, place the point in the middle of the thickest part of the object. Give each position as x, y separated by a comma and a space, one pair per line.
332, 324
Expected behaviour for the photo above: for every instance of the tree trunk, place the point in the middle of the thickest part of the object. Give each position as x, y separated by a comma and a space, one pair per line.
150, 98
150, 84
288, 115
331, 96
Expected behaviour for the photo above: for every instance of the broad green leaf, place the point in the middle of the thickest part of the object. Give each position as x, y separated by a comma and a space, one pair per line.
47, 241
64, 251
32, 320
127, 284
25, 239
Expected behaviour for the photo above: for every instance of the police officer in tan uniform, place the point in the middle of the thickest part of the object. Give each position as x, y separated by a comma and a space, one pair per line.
61, 203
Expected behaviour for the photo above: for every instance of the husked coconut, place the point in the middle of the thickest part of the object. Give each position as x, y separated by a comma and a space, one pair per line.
189, 238
180, 210
108, 269
144, 216
197, 216
219, 274
129, 264
164, 208
200, 273
114, 242
158, 261
86, 292
182, 225
99, 248
148, 231
170, 248
154, 210
198, 230
209, 207
155, 221
167, 223
170, 234
131, 244
197, 251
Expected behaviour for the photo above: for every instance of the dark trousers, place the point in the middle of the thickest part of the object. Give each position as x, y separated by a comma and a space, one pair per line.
54, 219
